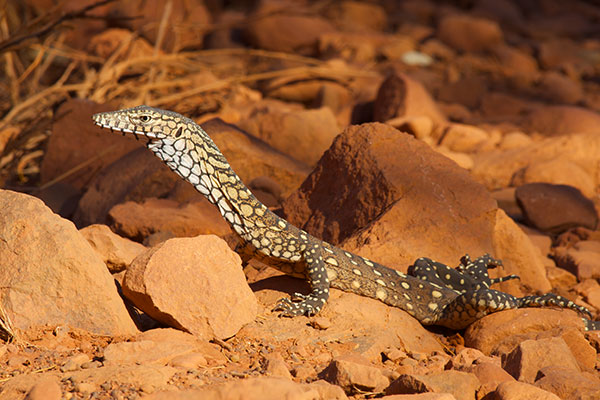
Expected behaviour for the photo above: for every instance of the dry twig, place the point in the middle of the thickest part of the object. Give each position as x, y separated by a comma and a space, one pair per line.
49, 26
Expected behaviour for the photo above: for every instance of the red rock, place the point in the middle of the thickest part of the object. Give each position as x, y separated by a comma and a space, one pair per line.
514, 140
522, 391
193, 284
116, 251
464, 138
462, 385
75, 362
582, 263
467, 91
138, 221
189, 361
562, 120
438, 49
524, 362
555, 208
303, 135
567, 383
468, 33
47, 388
559, 52
490, 375
501, 332
506, 107
504, 11
75, 140
516, 63
558, 88
401, 96
257, 389
51, 274
581, 349
107, 42
467, 357
495, 169
285, 32
540, 240
560, 277
183, 14
355, 377
590, 290
558, 172
276, 366
420, 396
357, 16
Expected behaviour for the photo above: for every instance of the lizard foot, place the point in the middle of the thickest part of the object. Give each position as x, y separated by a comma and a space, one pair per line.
308, 305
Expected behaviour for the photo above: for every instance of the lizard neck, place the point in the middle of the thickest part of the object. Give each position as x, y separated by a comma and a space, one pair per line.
199, 161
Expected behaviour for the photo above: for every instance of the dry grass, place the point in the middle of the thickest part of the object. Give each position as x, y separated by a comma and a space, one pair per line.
125, 78
7, 331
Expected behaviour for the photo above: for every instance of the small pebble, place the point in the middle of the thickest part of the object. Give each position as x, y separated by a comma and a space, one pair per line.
91, 364
85, 387
320, 323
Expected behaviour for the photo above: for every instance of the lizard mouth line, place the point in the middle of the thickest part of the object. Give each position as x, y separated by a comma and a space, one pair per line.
137, 134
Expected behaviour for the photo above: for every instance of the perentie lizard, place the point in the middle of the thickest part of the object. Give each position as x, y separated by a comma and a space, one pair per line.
432, 292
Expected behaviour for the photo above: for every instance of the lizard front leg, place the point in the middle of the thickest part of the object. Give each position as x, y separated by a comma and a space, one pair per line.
316, 274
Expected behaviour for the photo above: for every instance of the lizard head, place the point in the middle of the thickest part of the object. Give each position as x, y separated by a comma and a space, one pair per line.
146, 121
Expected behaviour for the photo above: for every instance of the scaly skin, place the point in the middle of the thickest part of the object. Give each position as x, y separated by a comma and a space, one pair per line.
432, 292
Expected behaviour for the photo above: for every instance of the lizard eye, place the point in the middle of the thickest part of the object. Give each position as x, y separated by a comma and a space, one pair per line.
145, 118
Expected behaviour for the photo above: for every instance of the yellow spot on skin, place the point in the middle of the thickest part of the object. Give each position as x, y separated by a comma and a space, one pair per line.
379, 281
369, 263
332, 261
380, 294
233, 194
281, 224
409, 306
377, 273
355, 284
331, 274
357, 272
246, 210
436, 294
405, 285
432, 306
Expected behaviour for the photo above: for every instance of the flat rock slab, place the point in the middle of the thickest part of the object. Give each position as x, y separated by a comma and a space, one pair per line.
258, 389
194, 284
498, 332
51, 275
462, 385
522, 391
160, 346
